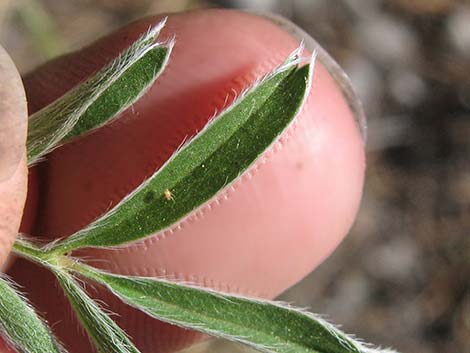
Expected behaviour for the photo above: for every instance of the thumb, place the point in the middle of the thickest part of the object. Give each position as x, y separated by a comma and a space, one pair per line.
258, 238
13, 172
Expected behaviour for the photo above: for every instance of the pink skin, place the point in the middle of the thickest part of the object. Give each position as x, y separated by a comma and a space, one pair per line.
13, 171
258, 237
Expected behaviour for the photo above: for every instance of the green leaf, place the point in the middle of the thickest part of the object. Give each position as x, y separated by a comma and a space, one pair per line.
263, 325
21, 326
227, 146
100, 98
103, 331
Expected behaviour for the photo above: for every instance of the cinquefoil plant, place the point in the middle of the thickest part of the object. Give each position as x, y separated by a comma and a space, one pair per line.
215, 157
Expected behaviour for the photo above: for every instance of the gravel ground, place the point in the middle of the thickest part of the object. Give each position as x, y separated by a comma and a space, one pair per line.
401, 278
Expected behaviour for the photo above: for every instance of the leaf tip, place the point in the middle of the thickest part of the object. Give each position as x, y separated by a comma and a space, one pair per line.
154, 30
293, 59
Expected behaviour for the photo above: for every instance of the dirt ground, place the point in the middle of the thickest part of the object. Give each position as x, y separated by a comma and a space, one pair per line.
401, 278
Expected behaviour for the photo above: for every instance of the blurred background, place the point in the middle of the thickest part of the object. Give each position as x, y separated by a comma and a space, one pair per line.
402, 277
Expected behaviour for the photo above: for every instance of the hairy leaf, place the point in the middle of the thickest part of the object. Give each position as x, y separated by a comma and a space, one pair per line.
215, 157
100, 98
21, 326
103, 331
263, 325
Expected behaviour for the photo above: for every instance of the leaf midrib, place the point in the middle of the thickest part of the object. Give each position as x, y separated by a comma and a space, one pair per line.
214, 319
178, 180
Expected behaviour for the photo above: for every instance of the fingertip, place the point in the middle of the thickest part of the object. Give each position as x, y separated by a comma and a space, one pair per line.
329, 63
276, 225
13, 172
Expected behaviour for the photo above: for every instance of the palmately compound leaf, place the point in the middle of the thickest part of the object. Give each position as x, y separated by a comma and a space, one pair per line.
100, 98
266, 326
21, 326
219, 154
103, 331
